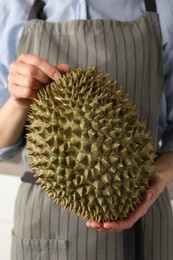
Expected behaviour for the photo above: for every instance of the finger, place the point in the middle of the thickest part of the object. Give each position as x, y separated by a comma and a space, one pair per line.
94, 224
24, 81
99, 227
133, 217
21, 92
30, 70
43, 65
63, 68
126, 223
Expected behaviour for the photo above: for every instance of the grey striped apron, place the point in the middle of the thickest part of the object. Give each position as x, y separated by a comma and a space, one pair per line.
132, 53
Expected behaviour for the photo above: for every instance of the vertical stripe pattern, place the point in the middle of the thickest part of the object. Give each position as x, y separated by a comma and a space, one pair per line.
45, 231
129, 51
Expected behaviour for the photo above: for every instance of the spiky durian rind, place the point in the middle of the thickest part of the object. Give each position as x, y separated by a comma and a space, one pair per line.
89, 148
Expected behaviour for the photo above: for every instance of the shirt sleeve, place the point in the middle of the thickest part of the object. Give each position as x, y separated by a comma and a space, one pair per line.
10, 151
13, 14
165, 129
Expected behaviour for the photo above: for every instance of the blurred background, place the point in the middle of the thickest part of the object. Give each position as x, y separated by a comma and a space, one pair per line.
10, 174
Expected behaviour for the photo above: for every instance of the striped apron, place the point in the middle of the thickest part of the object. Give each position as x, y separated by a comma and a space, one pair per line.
132, 53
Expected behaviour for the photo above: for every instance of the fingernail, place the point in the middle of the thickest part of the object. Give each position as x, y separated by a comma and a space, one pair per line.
56, 75
106, 225
149, 195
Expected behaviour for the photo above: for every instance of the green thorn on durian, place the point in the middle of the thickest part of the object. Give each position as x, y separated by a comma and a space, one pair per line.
106, 178
105, 163
96, 149
92, 134
85, 124
113, 158
81, 191
107, 191
97, 184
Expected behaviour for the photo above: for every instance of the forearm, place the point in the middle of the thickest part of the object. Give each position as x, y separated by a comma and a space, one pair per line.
12, 122
27, 75
164, 167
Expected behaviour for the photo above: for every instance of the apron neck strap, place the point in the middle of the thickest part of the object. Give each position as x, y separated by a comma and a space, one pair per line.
150, 5
36, 11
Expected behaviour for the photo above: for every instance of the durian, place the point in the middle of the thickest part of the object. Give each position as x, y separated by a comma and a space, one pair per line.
89, 148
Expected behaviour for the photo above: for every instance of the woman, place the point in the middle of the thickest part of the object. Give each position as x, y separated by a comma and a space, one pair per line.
85, 33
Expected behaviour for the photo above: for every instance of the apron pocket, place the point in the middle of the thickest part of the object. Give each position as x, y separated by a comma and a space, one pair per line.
38, 249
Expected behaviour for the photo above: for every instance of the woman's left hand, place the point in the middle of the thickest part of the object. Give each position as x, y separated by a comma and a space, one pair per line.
163, 175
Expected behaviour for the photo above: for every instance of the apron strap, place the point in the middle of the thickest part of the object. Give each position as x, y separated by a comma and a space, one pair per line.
37, 10
28, 177
150, 5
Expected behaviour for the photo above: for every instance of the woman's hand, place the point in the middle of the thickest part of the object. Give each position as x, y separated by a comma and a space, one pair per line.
163, 176
28, 74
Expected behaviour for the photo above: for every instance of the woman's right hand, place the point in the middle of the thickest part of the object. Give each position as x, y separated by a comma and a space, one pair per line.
28, 74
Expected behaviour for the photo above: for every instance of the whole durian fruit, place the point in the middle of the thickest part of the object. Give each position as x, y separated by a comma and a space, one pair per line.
89, 148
